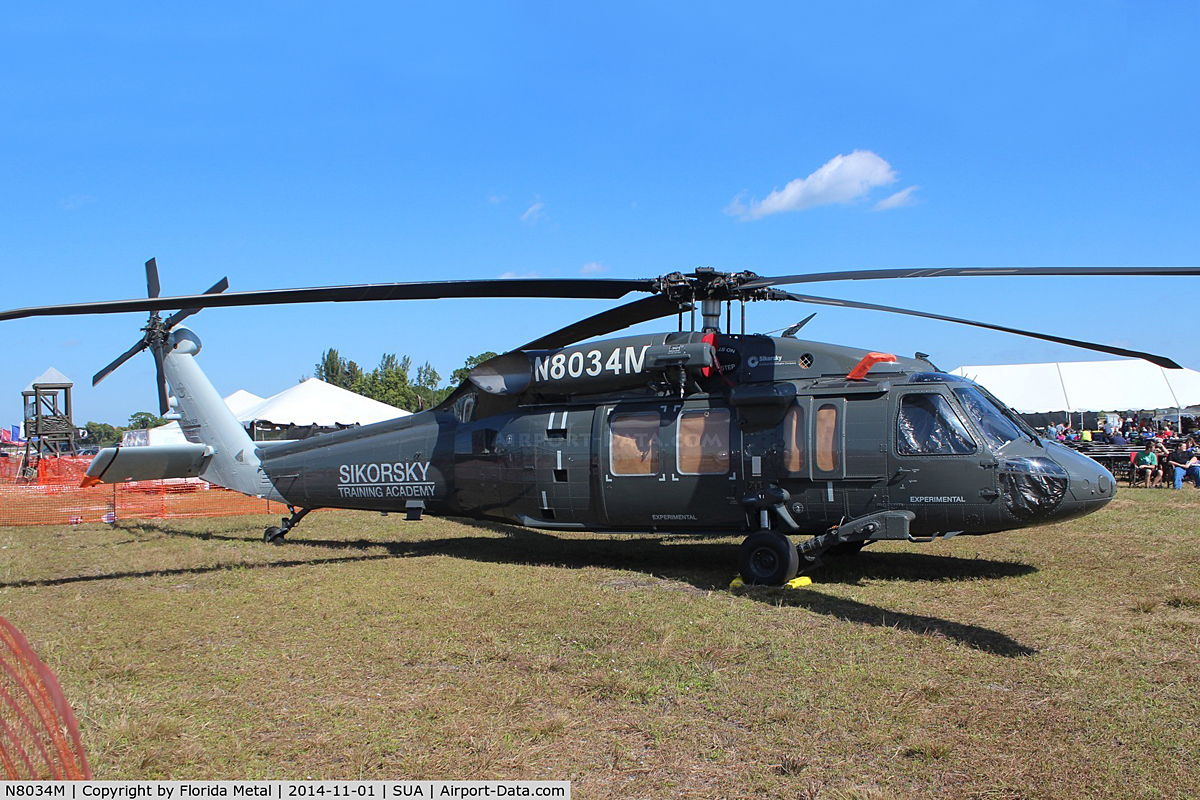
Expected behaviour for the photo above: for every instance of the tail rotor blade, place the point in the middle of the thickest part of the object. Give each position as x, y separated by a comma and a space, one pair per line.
152, 287
121, 359
182, 314
164, 404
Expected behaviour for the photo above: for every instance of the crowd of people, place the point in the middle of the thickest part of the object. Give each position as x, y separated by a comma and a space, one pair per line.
1165, 455
1119, 432
1155, 463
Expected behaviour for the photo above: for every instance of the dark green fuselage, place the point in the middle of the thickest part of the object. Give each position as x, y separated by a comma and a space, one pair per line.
531, 441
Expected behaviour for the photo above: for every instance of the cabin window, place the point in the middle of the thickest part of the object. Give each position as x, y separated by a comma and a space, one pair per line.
793, 439
702, 442
927, 425
828, 453
634, 443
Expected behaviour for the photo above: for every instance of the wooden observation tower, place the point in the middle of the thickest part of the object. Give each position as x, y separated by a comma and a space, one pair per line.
49, 429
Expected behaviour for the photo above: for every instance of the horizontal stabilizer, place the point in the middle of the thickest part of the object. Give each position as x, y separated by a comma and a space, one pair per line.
117, 464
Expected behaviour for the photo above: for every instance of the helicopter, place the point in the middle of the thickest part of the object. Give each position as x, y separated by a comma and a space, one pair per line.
806, 449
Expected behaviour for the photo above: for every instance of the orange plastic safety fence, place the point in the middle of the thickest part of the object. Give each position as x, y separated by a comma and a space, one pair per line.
62, 470
8, 468
58, 499
39, 737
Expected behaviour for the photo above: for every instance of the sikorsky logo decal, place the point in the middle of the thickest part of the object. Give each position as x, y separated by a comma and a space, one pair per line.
591, 363
754, 361
930, 499
386, 479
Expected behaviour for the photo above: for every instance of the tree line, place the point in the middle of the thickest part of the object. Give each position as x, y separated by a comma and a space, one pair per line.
392, 382
101, 434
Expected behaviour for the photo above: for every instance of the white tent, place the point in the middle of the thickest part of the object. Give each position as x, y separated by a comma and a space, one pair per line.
315, 402
171, 433
242, 401
1124, 385
311, 403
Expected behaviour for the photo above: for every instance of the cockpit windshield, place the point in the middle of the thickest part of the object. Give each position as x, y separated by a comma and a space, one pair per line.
995, 424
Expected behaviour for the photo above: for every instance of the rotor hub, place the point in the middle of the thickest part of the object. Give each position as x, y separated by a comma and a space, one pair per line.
156, 330
709, 289
706, 283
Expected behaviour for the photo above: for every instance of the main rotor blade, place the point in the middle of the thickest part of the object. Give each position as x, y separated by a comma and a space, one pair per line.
594, 288
962, 272
152, 287
182, 314
164, 404
121, 359
614, 319
1161, 361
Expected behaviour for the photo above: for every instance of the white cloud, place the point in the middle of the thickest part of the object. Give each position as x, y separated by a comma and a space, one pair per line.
533, 213
900, 199
496, 198
591, 268
520, 275
842, 179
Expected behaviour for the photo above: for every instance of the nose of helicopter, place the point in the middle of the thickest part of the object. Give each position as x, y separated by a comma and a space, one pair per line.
1089, 485
1056, 486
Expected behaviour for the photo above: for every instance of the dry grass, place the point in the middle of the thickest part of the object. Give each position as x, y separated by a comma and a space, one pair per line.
1059, 661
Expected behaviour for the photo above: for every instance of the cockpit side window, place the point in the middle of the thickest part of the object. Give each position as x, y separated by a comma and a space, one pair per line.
927, 425
998, 429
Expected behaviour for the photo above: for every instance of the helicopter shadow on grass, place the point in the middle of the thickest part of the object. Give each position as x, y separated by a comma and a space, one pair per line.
694, 560
156, 528
974, 636
702, 563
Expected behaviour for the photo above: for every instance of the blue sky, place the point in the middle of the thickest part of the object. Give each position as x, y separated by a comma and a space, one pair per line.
312, 144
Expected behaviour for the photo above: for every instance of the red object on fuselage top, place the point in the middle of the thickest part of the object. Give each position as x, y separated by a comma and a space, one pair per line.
863, 367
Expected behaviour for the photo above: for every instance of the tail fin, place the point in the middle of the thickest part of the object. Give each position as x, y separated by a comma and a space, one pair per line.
220, 450
205, 419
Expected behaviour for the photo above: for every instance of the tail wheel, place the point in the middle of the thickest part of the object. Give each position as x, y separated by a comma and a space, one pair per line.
768, 558
274, 535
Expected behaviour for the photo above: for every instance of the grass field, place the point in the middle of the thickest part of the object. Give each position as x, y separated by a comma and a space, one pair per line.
1055, 662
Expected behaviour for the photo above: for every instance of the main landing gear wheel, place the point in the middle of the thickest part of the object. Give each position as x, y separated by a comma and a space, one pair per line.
274, 535
768, 558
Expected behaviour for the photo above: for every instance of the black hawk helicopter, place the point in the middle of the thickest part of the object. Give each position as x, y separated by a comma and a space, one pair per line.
692, 431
